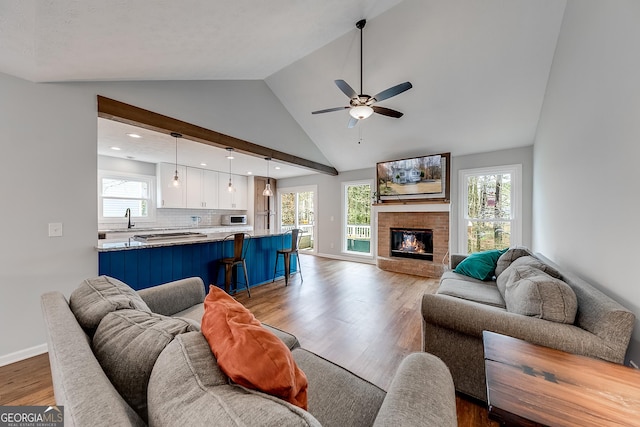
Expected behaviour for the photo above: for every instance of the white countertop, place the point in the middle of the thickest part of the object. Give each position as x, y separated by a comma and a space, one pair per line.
106, 245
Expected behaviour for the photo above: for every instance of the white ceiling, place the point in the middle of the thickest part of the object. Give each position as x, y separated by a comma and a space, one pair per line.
479, 68
155, 147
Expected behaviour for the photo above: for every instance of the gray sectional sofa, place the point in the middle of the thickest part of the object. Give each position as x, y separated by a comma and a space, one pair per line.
125, 358
531, 299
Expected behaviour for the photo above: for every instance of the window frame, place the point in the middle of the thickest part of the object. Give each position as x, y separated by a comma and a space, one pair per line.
515, 170
343, 227
150, 180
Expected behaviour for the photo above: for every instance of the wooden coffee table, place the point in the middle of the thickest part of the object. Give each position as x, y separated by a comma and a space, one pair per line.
530, 385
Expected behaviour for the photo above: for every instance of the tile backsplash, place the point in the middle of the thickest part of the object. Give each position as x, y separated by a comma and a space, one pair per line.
175, 218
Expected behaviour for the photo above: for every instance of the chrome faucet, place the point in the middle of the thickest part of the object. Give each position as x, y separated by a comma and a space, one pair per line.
127, 214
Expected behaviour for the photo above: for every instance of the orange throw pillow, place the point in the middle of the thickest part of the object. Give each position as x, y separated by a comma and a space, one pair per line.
250, 355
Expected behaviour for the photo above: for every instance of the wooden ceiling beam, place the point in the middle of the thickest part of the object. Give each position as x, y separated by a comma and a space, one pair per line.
129, 114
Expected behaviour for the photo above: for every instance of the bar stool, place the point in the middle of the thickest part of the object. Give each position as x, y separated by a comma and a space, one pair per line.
296, 233
238, 258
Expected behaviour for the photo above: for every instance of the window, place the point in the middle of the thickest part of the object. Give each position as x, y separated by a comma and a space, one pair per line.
356, 222
119, 191
490, 208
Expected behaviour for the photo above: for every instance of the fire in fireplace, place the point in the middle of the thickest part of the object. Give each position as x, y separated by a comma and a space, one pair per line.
414, 243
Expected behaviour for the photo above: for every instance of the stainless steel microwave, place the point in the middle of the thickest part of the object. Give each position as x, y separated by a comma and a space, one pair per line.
234, 220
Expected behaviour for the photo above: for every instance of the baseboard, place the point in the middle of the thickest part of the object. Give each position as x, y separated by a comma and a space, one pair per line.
364, 260
22, 354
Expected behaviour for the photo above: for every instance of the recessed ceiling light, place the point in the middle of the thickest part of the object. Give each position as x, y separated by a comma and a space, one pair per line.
116, 148
134, 135
277, 167
249, 173
203, 164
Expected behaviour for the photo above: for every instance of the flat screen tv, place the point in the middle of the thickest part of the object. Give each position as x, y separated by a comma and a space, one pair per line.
416, 178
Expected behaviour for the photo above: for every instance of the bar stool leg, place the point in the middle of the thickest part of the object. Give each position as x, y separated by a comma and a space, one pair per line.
227, 277
287, 267
275, 268
246, 277
299, 267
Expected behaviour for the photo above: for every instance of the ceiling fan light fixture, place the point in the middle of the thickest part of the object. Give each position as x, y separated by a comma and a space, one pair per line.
361, 112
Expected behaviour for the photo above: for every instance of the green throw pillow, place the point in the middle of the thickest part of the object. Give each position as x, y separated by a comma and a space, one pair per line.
480, 265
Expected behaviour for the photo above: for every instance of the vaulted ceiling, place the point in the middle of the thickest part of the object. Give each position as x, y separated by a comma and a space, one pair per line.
479, 69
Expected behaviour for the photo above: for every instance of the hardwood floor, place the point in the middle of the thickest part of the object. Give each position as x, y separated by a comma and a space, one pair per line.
27, 382
355, 315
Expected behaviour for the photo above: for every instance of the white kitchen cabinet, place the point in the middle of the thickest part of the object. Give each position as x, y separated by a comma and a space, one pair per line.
236, 199
170, 196
202, 189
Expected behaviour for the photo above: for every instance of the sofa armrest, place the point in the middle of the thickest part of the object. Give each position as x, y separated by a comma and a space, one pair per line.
170, 298
456, 259
421, 393
471, 318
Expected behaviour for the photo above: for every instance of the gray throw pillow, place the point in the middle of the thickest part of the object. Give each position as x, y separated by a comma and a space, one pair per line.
187, 388
527, 260
508, 257
97, 297
532, 292
127, 344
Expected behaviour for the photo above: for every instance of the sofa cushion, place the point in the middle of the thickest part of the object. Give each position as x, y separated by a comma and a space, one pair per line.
127, 344
479, 265
509, 256
96, 297
249, 354
531, 292
187, 388
460, 286
527, 260
338, 397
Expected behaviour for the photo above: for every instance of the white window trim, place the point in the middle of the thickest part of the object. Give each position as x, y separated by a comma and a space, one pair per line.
151, 180
516, 201
343, 222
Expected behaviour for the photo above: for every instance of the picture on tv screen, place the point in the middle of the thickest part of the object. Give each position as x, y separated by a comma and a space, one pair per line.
416, 178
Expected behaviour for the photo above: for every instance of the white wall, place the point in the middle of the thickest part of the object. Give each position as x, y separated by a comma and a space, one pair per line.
587, 150
522, 156
49, 171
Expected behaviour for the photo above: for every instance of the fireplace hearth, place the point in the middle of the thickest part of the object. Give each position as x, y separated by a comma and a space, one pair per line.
415, 243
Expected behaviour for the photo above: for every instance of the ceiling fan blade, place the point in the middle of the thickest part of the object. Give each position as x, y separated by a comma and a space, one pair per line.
328, 110
387, 112
352, 122
346, 89
392, 91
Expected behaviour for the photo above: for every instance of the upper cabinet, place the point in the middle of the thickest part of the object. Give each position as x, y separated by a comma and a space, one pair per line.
236, 199
202, 189
169, 195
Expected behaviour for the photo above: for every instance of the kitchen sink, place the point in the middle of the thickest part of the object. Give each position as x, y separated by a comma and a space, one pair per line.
168, 236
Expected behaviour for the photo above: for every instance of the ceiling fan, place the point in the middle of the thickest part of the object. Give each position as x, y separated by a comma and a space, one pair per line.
361, 105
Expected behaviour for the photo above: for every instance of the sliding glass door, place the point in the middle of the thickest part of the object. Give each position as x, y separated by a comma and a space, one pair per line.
297, 210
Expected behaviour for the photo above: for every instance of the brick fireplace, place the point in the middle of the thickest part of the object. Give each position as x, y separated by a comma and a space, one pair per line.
434, 217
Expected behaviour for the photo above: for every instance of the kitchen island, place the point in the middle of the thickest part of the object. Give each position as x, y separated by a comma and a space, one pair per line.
144, 264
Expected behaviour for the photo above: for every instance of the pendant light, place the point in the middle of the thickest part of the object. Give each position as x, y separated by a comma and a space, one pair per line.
230, 187
267, 188
176, 180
